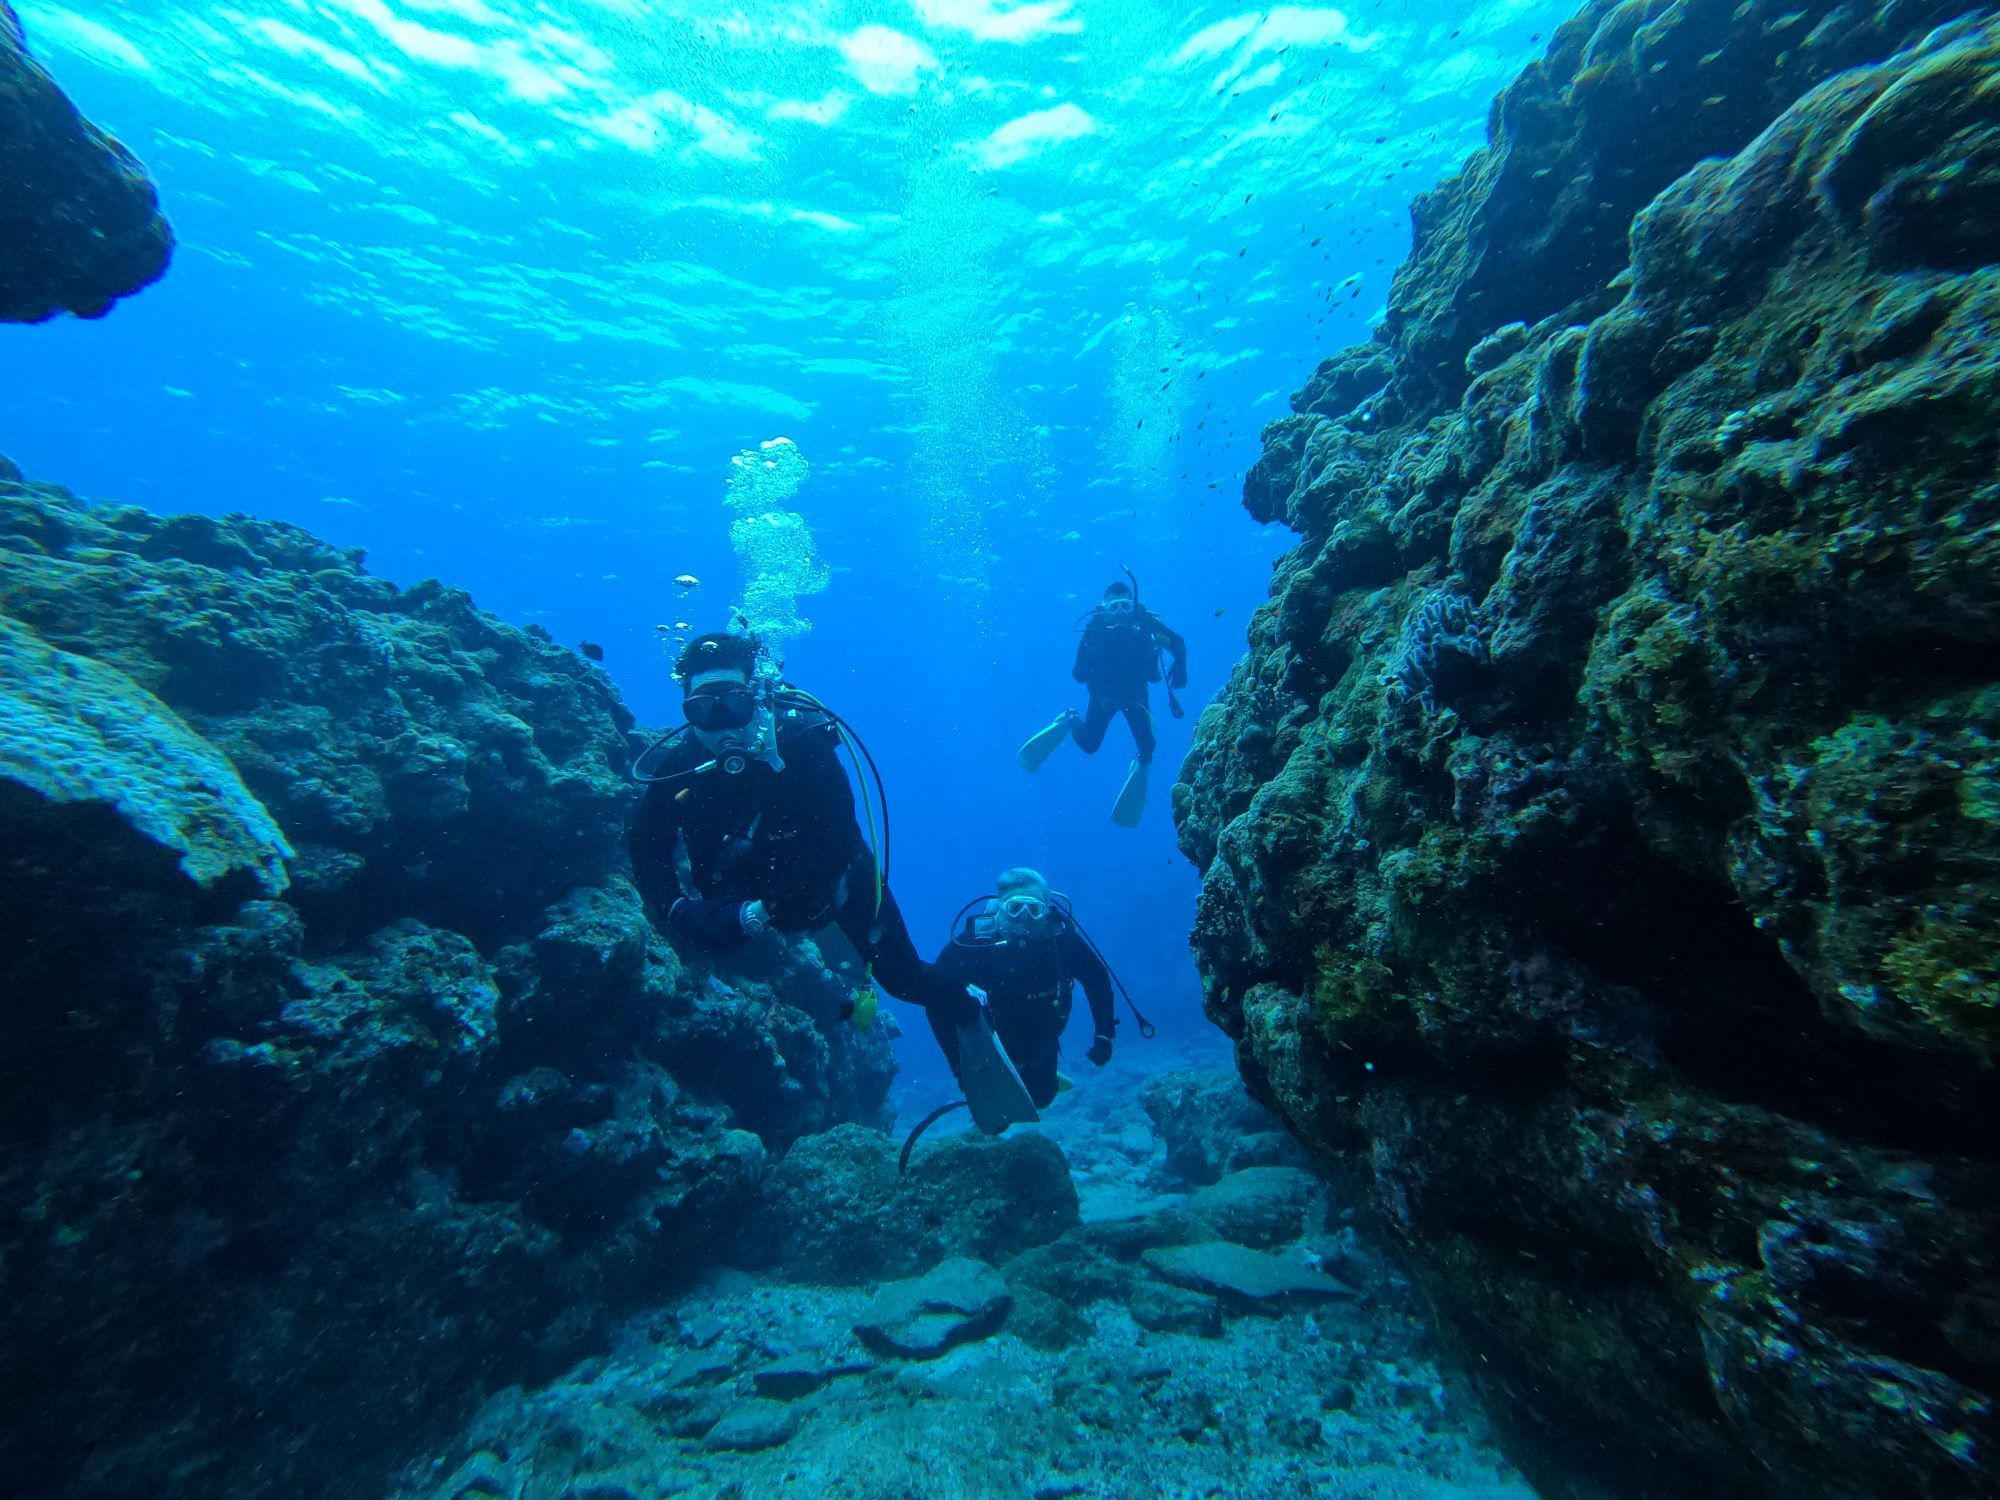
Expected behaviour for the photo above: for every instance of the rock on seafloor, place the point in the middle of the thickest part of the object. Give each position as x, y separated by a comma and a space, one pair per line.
1065, 1368
341, 1070
955, 1301
83, 224
1598, 839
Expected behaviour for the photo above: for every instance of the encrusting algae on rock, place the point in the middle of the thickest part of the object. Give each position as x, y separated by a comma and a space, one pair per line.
1599, 836
425, 1053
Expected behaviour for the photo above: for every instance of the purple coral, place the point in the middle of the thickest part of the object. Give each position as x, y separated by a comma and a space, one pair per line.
1445, 623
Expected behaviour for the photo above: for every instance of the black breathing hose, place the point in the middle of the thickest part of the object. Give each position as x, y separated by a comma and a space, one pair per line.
903, 1161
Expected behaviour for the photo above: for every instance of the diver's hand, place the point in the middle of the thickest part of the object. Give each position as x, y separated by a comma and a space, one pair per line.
968, 1008
1100, 1051
754, 917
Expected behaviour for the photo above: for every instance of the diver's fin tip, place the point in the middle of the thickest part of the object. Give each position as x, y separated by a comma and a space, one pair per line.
993, 1090
1043, 744
1131, 804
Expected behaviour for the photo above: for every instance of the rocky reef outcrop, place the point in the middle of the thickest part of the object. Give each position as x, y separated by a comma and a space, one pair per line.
1599, 837
82, 224
342, 1075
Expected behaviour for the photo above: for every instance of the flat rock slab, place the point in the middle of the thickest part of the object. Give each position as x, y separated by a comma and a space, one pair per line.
752, 1425
957, 1301
1242, 1274
700, 1367
799, 1375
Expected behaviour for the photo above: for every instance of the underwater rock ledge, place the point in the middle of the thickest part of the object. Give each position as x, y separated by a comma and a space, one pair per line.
341, 1072
83, 223
1598, 839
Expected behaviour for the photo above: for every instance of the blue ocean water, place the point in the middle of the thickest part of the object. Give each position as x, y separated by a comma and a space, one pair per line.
496, 291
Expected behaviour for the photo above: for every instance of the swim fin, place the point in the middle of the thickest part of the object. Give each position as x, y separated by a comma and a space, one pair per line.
993, 1090
1044, 742
1131, 803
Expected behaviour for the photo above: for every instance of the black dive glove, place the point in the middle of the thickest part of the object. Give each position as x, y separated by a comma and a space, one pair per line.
1100, 1051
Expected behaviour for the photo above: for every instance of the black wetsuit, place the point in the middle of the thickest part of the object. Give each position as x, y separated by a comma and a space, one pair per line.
1117, 658
786, 838
1028, 979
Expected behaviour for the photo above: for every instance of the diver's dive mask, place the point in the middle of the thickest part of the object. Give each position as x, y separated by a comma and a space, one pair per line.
735, 723
715, 711
1023, 908
1118, 606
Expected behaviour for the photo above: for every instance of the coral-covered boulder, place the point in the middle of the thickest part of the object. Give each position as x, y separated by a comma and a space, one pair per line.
1211, 1126
83, 224
1598, 839
340, 1068
836, 1210
75, 732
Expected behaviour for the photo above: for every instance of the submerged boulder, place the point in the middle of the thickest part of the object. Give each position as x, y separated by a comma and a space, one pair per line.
1260, 1206
836, 1210
1597, 840
83, 222
73, 731
953, 1303
1211, 1125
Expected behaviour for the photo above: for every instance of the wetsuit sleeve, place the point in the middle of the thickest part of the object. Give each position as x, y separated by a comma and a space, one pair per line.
1085, 667
1088, 970
1176, 648
950, 964
653, 842
713, 924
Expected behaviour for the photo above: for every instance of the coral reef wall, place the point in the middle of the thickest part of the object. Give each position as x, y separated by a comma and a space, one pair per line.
80, 225
341, 1073
1602, 836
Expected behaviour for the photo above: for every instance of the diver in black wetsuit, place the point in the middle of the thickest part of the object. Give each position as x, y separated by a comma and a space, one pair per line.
755, 793
1027, 954
1117, 658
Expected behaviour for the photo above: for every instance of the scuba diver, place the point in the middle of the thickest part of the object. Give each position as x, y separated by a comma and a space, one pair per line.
754, 790
1118, 656
1026, 954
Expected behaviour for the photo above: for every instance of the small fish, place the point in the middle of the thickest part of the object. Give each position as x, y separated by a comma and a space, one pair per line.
687, 581
591, 650
1219, 612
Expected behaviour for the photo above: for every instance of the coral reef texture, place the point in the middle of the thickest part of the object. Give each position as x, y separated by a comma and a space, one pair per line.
82, 224
340, 1069
1602, 836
